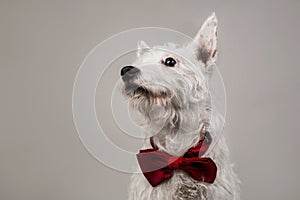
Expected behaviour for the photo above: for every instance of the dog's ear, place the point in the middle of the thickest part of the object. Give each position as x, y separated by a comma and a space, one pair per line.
206, 41
142, 47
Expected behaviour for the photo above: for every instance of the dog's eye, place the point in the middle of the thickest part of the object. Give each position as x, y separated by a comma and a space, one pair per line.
170, 62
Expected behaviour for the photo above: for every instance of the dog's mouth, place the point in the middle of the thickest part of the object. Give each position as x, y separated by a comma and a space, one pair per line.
135, 91
139, 91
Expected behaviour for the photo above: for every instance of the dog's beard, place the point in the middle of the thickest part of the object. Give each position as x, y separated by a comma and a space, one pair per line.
153, 94
154, 103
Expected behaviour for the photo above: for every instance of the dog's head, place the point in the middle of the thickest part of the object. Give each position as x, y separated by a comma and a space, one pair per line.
165, 81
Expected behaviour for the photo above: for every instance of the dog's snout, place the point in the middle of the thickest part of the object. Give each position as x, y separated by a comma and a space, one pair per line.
128, 72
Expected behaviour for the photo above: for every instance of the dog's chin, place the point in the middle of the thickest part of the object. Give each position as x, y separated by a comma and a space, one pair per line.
138, 93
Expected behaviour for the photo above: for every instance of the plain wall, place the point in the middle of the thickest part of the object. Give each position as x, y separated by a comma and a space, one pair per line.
42, 44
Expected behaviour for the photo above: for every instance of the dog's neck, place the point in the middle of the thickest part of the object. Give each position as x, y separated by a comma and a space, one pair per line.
177, 144
181, 130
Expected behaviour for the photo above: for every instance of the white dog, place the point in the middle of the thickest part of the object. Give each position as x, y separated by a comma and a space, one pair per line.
168, 86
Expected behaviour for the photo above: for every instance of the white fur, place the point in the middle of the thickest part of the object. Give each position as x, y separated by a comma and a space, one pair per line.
178, 110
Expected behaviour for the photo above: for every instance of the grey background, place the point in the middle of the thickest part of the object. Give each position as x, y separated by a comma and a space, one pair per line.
42, 44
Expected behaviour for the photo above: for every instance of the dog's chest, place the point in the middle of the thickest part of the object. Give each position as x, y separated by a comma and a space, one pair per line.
187, 188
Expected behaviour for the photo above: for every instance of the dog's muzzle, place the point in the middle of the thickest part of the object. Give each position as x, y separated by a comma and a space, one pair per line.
129, 72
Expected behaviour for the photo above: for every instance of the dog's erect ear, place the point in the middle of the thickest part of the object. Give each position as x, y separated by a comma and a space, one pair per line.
206, 41
142, 47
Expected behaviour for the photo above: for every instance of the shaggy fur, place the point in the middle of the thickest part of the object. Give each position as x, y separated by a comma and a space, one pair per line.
176, 104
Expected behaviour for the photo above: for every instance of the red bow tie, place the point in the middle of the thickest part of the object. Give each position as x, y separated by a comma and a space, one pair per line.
158, 166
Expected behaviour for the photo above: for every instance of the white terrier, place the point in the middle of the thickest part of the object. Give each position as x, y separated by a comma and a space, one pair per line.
168, 86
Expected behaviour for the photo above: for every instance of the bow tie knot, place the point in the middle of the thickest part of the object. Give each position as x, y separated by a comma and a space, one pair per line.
175, 163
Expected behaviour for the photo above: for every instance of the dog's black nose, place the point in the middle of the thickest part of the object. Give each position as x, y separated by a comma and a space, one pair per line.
126, 69
129, 72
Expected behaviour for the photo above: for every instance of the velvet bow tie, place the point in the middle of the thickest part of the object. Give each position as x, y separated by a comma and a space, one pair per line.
158, 166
